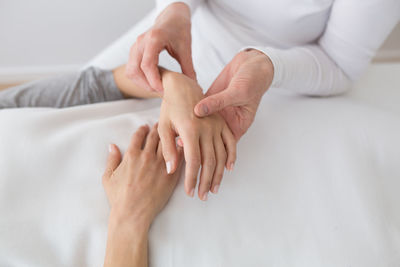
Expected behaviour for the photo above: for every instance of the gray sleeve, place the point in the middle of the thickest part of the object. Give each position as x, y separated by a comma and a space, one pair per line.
91, 85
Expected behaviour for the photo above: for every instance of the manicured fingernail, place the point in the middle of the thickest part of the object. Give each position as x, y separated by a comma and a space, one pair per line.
231, 166
192, 192
205, 196
205, 109
169, 166
110, 148
215, 189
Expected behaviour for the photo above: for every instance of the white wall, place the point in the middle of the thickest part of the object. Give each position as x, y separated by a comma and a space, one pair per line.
43, 34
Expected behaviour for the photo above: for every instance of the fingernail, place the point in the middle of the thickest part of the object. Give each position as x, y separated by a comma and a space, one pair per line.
231, 166
192, 192
215, 189
169, 166
205, 196
110, 148
205, 109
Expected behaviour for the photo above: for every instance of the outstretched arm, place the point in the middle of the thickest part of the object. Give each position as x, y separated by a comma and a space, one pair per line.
137, 187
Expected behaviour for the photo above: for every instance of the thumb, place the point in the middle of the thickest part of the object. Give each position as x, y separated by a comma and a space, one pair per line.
113, 161
168, 146
214, 103
186, 61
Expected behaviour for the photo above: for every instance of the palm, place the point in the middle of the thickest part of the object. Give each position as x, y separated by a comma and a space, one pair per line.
237, 91
238, 119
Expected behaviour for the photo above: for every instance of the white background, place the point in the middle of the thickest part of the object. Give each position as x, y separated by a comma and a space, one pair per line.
61, 35
44, 33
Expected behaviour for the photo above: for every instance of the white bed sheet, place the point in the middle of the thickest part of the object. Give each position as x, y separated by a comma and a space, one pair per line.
316, 184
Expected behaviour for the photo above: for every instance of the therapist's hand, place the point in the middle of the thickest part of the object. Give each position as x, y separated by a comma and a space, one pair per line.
237, 91
171, 31
207, 142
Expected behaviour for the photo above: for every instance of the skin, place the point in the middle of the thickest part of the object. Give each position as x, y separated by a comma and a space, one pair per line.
208, 142
234, 95
237, 91
171, 32
138, 188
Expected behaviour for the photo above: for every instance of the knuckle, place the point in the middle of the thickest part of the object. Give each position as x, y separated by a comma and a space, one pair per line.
155, 34
146, 64
140, 38
130, 154
210, 162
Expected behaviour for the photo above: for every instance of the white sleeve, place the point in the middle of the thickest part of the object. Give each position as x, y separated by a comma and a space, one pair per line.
354, 32
193, 4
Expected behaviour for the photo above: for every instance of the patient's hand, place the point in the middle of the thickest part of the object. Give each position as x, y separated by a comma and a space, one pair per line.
138, 187
207, 141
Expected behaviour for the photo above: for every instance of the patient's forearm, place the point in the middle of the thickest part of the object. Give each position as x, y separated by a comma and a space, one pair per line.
129, 89
127, 244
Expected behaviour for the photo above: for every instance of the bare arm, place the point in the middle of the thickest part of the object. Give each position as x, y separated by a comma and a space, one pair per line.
137, 187
126, 244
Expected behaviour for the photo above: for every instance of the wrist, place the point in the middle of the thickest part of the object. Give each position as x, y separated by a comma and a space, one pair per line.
175, 10
129, 223
178, 88
265, 64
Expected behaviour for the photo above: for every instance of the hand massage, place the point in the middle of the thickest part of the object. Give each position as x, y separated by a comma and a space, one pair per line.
241, 174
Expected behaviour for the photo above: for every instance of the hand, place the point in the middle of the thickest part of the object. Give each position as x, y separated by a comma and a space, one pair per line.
237, 91
207, 142
171, 31
138, 187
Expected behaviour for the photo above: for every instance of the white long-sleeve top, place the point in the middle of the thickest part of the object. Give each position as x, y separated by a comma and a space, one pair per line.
317, 47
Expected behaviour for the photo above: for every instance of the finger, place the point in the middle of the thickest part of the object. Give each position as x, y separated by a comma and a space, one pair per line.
138, 138
220, 84
152, 140
149, 65
180, 160
186, 61
208, 166
113, 161
167, 137
173, 178
230, 145
193, 161
179, 142
215, 103
133, 70
221, 157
